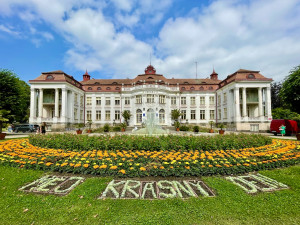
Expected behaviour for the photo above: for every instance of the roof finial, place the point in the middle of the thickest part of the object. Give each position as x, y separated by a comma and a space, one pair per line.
214, 69
86, 72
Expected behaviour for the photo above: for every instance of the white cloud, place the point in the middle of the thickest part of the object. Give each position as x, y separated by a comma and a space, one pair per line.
233, 34
9, 30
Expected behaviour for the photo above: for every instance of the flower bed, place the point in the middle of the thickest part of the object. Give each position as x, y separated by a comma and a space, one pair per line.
131, 142
129, 163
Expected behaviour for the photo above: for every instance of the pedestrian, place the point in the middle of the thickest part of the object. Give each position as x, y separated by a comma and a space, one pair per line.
9, 129
282, 129
43, 128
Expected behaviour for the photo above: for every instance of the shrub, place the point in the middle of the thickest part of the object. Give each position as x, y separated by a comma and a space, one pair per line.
128, 142
196, 129
184, 128
106, 128
116, 129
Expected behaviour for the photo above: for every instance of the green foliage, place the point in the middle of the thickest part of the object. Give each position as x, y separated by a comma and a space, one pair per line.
106, 127
211, 123
280, 113
126, 115
196, 129
3, 119
290, 91
116, 128
128, 142
79, 125
176, 124
221, 126
275, 90
175, 114
184, 128
14, 95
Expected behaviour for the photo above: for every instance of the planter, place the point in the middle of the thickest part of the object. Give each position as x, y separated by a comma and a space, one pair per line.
211, 131
177, 129
123, 129
298, 136
89, 131
221, 131
2, 136
79, 131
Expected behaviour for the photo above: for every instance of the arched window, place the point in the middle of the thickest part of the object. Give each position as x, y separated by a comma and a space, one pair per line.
161, 116
251, 76
49, 77
97, 83
201, 88
98, 88
117, 88
108, 88
186, 82
90, 88
138, 116
114, 83
210, 88
192, 88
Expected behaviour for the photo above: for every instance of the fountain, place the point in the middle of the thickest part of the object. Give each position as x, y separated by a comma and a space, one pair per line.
152, 127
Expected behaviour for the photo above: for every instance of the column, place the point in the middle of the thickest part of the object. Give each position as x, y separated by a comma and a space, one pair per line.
41, 95
56, 112
244, 102
32, 103
78, 108
260, 108
71, 106
268, 103
64, 97
237, 103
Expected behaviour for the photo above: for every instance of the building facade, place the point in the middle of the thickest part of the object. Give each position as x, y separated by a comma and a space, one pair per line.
242, 101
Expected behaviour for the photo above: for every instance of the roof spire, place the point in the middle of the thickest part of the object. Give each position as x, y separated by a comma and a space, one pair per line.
86, 72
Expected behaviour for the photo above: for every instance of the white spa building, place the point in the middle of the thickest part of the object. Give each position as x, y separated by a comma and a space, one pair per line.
242, 101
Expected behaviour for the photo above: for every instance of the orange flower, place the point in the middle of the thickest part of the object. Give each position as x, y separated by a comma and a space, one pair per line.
95, 166
187, 167
142, 168
113, 167
85, 165
162, 167
103, 166
48, 163
122, 171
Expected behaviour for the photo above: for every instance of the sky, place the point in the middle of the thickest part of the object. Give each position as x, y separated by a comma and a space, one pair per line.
118, 38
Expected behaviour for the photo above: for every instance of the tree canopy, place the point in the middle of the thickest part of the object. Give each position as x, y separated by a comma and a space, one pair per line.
275, 90
290, 91
14, 95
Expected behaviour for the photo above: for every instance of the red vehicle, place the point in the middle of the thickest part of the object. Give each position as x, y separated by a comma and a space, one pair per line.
291, 126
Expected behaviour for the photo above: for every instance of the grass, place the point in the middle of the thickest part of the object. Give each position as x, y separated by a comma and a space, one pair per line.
231, 206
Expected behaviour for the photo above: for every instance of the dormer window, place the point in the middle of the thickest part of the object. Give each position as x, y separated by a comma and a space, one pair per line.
203, 82
201, 88
192, 88
108, 88
150, 77
98, 88
251, 76
114, 83
186, 82
117, 88
90, 88
210, 88
97, 83
49, 77
183, 88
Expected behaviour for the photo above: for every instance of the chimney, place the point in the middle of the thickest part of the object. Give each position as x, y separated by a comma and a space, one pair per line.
214, 75
86, 76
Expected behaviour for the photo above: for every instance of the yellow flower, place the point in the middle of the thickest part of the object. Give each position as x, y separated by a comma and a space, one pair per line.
122, 171
113, 167
85, 165
95, 166
142, 168
103, 166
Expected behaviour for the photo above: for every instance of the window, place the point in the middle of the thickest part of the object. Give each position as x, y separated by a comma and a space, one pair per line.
254, 127
81, 114
81, 100
210, 88
127, 100
183, 100
161, 116
117, 88
219, 99
108, 88
150, 98
251, 76
117, 101
139, 116
202, 114
162, 99
183, 114
173, 100
219, 114
211, 100
202, 100
89, 115
117, 115
88, 100
225, 98
90, 88
225, 113
49, 77
107, 101
98, 114
211, 114
76, 99
193, 100
98, 100
201, 88
98, 88
192, 88
193, 114
107, 115
75, 114
138, 99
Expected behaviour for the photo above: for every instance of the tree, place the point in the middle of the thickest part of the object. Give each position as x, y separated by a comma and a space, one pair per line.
275, 99
280, 113
175, 114
14, 95
3, 118
126, 115
290, 91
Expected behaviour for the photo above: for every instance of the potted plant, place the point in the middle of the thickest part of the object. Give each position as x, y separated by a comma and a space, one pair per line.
211, 123
106, 127
221, 126
176, 125
2, 120
79, 127
175, 114
126, 115
89, 124
196, 129
123, 127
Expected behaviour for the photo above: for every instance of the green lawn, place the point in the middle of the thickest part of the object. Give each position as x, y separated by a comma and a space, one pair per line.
230, 206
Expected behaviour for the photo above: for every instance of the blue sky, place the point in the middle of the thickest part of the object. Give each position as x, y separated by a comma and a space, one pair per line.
114, 39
